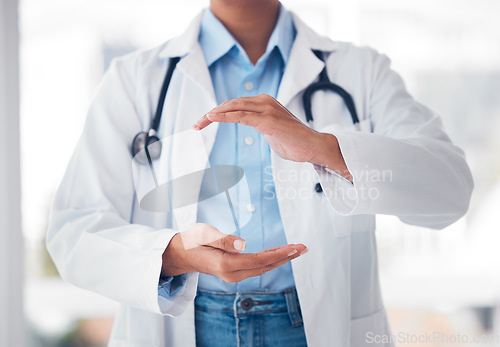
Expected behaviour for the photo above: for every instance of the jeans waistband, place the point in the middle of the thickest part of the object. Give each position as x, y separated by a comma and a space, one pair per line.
251, 303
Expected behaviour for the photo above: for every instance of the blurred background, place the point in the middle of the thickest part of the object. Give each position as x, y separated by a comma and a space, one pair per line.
448, 52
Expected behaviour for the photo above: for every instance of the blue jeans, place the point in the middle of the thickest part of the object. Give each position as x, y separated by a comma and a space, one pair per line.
248, 319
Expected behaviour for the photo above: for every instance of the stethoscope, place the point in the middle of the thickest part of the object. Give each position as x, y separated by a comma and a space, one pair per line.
151, 144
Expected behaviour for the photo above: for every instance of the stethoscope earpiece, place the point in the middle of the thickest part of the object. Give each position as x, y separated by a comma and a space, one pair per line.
144, 144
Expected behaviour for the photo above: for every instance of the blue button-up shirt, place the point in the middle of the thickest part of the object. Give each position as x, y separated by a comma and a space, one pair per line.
233, 76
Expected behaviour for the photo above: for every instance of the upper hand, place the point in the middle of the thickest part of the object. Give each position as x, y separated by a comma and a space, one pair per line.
286, 134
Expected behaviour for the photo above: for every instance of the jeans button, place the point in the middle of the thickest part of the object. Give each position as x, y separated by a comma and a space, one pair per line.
246, 304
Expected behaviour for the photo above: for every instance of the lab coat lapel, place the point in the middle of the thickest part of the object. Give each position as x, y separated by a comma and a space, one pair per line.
193, 98
302, 69
192, 155
192, 62
197, 97
303, 66
195, 68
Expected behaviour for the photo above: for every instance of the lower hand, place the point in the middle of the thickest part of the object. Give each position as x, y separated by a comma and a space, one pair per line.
205, 249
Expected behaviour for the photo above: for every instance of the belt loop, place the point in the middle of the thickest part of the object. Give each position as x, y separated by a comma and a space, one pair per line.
293, 306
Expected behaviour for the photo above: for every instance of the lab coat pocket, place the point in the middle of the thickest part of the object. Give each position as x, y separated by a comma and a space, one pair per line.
372, 330
341, 224
362, 223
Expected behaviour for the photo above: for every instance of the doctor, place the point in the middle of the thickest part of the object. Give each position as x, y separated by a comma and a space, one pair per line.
243, 70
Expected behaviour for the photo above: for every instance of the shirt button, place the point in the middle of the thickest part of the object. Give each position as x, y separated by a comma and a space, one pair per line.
251, 208
248, 85
248, 140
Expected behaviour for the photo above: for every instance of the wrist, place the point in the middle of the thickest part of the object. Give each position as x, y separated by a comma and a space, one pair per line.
329, 156
326, 150
173, 263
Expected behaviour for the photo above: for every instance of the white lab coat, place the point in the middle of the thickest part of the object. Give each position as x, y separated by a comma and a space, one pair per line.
403, 164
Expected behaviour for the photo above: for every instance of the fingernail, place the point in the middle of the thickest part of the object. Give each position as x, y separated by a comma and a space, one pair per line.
304, 251
292, 252
210, 114
239, 245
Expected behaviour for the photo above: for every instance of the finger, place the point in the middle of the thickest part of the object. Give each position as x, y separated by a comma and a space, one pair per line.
206, 235
262, 103
240, 104
249, 103
228, 243
246, 261
202, 123
275, 248
249, 118
240, 275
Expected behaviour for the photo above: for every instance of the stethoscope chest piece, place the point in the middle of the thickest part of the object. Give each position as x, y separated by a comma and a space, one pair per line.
144, 145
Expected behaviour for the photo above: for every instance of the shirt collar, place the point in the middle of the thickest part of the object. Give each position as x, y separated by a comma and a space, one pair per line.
283, 35
216, 41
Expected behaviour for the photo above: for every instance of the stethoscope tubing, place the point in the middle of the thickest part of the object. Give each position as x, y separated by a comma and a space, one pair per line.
163, 93
327, 85
324, 84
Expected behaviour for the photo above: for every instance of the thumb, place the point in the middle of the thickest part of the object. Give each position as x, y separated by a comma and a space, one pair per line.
207, 235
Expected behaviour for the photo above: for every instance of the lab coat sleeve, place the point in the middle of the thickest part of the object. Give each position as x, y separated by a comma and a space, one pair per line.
90, 237
406, 166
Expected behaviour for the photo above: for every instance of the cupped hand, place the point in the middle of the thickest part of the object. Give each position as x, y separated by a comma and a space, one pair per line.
205, 249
